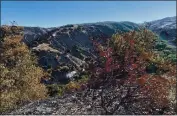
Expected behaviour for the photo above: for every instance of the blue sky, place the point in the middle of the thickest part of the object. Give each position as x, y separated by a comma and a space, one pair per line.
57, 13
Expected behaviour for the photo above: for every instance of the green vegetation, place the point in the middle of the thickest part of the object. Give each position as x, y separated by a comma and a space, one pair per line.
168, 52
55, 89
161, 46
61, 89
76, 51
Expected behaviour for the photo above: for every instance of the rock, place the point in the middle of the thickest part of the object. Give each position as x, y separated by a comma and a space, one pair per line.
45, 47
58, 106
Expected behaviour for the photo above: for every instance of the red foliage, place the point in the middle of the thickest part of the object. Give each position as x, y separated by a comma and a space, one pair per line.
128, 66
108, 55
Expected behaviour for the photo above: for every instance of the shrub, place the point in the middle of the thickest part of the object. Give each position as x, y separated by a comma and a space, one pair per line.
55, 89
167, 52
161, 46
123, 81
172, 57
72, 86
19, 74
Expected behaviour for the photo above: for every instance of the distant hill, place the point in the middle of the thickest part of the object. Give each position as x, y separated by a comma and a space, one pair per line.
74, 38
165, 28
70, 44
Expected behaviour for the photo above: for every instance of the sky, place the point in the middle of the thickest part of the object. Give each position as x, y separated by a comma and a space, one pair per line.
58, 13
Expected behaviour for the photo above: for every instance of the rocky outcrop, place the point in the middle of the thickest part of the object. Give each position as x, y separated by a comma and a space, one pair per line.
65, 105
85, 103
45, 47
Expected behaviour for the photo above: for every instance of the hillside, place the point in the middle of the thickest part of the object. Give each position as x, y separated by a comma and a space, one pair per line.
165, 28
94, 68
126, 74
70, 45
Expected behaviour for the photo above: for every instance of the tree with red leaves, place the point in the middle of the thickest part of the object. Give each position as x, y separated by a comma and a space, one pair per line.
123, 81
